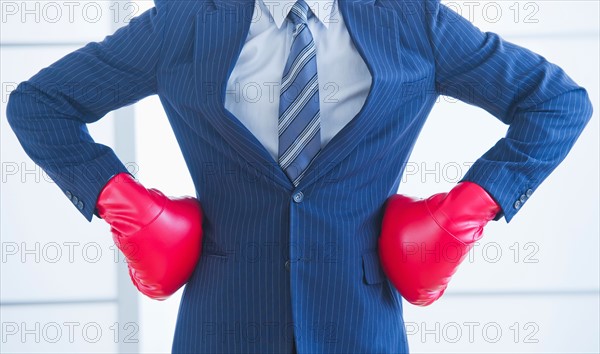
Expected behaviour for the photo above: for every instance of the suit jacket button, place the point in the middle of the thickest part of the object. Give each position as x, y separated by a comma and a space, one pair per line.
523, 198
529, 193
517, 204
68, 194
80, 205
287, 265
75, 200
298, 197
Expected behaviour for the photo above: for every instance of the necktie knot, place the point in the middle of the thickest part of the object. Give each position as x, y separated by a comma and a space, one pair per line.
299, 13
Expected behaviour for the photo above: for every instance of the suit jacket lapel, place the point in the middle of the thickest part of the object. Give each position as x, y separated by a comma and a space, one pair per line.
374, 31
221, 30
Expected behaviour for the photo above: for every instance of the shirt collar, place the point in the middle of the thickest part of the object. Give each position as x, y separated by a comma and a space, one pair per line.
279, 9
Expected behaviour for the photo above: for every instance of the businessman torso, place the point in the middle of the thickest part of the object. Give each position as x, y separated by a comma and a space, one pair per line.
281, 262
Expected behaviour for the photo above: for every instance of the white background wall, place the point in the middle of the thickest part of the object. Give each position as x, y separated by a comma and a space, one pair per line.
63, 286
529, 286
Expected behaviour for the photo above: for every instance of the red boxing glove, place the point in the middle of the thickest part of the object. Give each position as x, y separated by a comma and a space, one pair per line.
160, 237
424, 241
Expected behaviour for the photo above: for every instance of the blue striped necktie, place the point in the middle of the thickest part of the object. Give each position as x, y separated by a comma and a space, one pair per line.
299, 112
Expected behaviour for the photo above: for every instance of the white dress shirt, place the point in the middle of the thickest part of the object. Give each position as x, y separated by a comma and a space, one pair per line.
253, 88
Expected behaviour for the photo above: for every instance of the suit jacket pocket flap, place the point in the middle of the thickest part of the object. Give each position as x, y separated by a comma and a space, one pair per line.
373, 273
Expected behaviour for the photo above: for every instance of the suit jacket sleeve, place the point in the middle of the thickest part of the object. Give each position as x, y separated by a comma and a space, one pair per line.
545, 110
49, 112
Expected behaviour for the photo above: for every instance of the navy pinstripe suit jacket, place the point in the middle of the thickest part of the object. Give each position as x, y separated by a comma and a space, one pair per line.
332, 296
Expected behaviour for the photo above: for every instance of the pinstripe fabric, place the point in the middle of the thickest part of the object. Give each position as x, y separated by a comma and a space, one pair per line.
334, 297
299, 112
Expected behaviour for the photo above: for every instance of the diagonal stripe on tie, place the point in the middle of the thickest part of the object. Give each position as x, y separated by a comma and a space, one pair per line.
301, 141
306, 94
305, 56
299, 123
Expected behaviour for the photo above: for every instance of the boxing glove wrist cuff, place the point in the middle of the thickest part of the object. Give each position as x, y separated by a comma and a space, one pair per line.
481, 199
471, 200
127, 205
